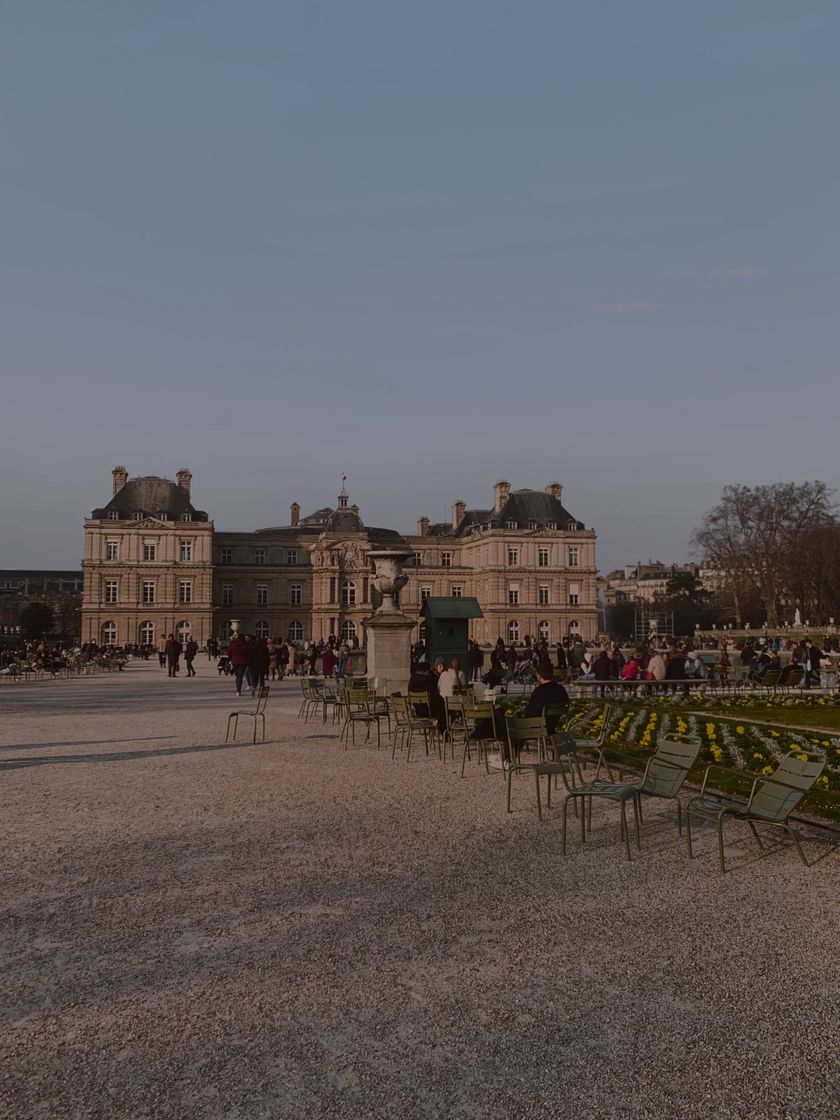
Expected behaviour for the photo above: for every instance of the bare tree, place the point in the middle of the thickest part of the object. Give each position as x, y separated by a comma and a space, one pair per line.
755, 534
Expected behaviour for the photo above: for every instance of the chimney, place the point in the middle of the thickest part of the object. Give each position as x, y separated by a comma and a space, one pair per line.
422, 526
502, 492
295, 514
555, 490
459, 508
184, 479
120, 476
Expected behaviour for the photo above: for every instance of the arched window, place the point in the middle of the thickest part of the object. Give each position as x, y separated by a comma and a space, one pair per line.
544, 631
348, 593
574, 626
109, 633
348, 631
261, 630
147, 633
513, 630
296, 631
183, 632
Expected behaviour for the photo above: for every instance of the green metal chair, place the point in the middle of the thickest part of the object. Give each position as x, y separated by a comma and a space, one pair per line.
518, 732
563, 749
312, 698
666, 771
771, 679
422, 722
480, 714
255, 714
771, 801
456, 723
400, 729
360, 707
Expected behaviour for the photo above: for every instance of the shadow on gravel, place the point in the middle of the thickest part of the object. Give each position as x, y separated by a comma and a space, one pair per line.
121, 756
83, 743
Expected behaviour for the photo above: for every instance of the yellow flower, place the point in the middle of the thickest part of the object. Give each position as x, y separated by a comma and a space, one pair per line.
758, 754
739, 729
767, 770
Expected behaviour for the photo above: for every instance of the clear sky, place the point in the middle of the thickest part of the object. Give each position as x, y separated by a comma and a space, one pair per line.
429, 244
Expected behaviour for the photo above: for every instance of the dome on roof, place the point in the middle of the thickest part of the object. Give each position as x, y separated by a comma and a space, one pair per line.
344, 521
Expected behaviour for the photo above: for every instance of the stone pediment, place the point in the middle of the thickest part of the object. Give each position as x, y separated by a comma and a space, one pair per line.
152, 523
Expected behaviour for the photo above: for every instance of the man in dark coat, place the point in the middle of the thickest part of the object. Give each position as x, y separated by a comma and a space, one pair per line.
190, 650
173, 655
548, 693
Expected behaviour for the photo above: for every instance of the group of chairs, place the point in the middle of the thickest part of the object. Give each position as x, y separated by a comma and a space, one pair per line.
580, 766
771, 800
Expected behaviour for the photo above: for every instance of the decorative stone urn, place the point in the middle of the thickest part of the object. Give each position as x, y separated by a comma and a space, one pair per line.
388, 629
389, 579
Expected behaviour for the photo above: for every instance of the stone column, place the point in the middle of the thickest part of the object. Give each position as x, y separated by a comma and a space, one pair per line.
388, 629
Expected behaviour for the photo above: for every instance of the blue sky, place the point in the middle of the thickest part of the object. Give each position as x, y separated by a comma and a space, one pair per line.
428, 245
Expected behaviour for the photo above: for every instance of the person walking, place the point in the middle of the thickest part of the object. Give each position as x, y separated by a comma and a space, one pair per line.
161, 649
237, 656
190, 650
173, 655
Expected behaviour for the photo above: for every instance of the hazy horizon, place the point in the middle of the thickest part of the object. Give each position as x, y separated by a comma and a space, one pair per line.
427, 246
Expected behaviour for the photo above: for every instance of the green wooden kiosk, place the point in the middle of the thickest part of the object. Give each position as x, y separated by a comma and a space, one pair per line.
448, 627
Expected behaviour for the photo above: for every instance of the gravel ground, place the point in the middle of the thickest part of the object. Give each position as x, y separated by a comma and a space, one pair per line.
295, 930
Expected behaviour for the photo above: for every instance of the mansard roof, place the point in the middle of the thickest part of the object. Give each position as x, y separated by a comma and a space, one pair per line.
152, 496
522, 507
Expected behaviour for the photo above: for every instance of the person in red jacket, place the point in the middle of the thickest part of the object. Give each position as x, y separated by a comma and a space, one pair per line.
238, 657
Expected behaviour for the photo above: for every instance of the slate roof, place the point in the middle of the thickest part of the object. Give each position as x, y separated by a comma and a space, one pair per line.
151, 496
523, 507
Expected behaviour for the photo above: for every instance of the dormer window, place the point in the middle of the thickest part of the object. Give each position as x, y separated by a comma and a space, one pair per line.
572, 526
113, 515
513, 524
163, 516
532, 524
138, 515
186, 517
552, 524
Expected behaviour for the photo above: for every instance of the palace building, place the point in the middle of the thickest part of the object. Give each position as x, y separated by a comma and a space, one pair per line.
154, 565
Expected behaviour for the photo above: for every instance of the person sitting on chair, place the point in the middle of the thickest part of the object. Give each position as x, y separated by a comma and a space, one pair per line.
548, 692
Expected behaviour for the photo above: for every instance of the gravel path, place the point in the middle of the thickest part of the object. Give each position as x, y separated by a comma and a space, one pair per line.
292, 930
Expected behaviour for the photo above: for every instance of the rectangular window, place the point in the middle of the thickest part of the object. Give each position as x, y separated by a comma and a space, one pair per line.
425, 593
113, 515
227, 594
513, 594
413, 560
186, 550
110, 591
149, 550
259, 555
262, 594
366, 590
456, 591
295, 594
513, 557
292, 556
543, 595
446, 559
185, 591
513, 524
542, 557
112, 550
186, 517
226, 556
574, 594
139, 515
148, 590
332, 589
574, 557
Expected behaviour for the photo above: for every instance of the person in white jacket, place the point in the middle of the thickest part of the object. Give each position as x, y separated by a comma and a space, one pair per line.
450, 678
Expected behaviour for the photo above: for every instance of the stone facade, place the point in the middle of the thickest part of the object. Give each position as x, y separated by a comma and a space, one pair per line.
530, 564
148, 564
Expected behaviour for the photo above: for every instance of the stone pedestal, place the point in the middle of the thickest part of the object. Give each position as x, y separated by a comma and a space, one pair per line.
389, 648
